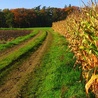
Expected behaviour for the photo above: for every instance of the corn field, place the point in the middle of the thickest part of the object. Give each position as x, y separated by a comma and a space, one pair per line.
81, 31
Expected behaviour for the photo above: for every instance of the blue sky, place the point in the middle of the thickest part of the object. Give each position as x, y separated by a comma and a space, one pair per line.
33, 3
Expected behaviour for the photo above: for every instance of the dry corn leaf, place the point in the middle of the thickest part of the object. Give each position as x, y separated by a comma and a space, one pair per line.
90, 82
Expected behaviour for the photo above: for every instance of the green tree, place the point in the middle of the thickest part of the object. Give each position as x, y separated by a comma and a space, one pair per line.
9, 17
69, 5
65, 6
2, 19
37, 8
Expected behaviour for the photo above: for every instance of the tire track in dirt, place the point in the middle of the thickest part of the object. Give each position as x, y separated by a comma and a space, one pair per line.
6, 52
18, 77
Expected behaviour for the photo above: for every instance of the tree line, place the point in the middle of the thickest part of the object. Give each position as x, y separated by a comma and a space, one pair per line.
35, 17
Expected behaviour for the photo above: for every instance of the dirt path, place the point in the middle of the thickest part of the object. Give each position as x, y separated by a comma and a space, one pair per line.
18, 77
5, 53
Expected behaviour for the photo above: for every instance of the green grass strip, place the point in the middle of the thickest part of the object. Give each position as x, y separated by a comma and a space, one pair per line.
17, 54
17, 40
55, 78
34, 28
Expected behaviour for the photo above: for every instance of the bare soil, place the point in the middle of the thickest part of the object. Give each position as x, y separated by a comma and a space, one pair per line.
8, 35
18, 77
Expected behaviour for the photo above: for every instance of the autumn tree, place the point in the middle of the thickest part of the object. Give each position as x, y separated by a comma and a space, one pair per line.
35, 17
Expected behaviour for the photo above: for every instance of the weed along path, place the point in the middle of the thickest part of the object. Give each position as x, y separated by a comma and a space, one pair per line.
18, 76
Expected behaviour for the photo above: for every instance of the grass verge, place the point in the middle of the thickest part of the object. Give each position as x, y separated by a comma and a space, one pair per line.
55, 77
17, 40
37, 28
